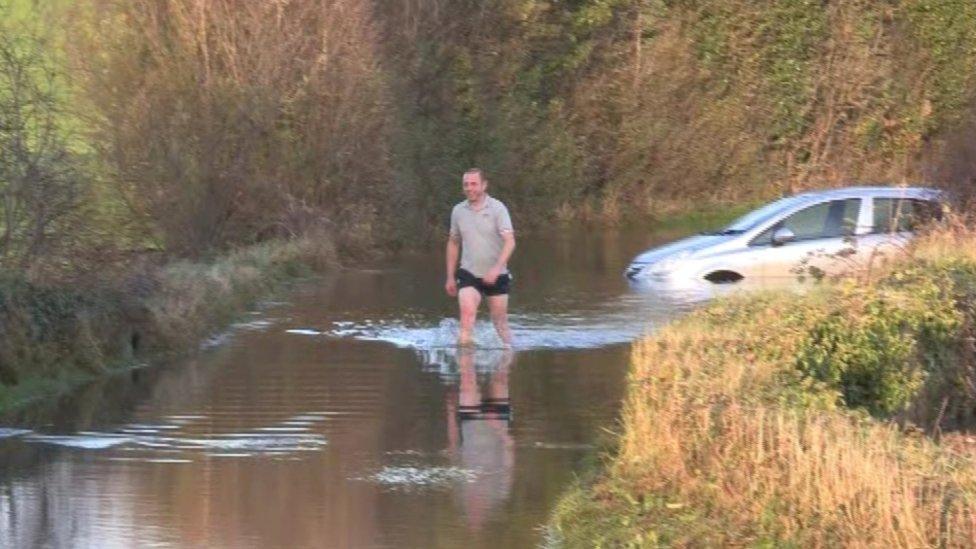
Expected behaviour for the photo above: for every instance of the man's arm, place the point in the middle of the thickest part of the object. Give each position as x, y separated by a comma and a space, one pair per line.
450, 286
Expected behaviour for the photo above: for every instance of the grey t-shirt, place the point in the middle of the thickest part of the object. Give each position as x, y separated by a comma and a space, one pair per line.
480, 232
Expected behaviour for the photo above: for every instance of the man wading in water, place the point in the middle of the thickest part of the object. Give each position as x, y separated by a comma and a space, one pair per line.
482, 228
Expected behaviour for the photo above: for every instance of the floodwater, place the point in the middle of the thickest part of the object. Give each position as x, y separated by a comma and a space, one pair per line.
343, 416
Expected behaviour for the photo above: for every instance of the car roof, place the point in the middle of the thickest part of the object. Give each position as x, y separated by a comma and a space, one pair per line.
865, 192
756, 218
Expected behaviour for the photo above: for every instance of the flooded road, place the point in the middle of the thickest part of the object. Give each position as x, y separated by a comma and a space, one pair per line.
343, 416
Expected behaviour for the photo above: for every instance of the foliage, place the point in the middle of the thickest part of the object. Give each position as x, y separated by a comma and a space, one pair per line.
745, 423
230, 122
213, 127
945, 33
69, 332
878, 349
42, 183
46, 332
776, 44
645, 104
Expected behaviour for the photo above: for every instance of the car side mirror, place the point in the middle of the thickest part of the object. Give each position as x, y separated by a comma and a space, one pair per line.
782, 236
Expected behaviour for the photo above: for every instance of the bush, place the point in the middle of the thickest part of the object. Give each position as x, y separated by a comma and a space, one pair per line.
60, 332
49, 332
223, 119
879, 347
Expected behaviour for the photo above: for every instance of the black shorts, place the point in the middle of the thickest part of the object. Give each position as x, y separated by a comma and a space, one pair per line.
466, 279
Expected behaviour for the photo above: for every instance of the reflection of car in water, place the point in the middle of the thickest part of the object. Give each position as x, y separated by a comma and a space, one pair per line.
823, 232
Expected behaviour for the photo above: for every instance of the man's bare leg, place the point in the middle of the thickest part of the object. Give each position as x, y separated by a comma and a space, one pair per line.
468, 301
498, 308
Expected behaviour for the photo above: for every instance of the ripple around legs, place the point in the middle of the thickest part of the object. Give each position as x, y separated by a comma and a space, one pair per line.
615, 321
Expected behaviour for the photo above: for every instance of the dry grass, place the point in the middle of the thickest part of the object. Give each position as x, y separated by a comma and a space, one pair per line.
195, 298
724, 442
696, 429
953, 239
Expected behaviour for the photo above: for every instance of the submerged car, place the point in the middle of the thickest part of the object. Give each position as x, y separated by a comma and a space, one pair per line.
821, 233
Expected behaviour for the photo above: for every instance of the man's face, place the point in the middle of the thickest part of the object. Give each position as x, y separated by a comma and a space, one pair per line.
474, 186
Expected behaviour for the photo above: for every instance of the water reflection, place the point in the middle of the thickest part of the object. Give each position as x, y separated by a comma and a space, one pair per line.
479, 412
307, 428
683, 294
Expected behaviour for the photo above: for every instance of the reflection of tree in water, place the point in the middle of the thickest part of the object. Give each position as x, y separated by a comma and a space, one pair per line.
478, 416
39, 499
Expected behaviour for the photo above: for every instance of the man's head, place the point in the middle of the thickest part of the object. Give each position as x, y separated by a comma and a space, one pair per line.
474, 184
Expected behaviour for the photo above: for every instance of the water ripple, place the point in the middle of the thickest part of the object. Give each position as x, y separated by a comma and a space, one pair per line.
616, 320
281, 438
409, 476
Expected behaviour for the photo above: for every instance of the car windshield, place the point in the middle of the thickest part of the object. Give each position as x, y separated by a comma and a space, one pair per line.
756, 217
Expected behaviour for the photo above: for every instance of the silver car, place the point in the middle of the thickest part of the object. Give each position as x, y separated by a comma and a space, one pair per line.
820, 233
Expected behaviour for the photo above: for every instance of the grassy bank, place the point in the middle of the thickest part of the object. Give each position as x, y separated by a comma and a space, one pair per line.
818, 420
56, 336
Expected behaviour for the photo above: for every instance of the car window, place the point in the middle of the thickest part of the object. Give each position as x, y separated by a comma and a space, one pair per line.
756, 217
825, 220
903, 214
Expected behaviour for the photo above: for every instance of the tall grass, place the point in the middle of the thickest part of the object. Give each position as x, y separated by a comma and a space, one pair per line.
726, 440
193, 298
750, 472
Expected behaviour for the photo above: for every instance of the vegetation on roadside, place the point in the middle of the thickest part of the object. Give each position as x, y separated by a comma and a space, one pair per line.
53, 337
194, 126
785, 420
614, 109
190, 126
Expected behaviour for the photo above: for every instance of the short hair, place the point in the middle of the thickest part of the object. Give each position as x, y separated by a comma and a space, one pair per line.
479, 171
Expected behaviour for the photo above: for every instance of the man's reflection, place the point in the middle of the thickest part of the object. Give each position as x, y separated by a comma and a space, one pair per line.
478, 417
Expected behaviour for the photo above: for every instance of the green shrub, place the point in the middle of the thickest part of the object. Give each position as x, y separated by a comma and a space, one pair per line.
51, 334
943, 32
45, 331
880, 344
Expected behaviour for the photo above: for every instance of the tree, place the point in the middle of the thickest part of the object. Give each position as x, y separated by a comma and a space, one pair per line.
40, 184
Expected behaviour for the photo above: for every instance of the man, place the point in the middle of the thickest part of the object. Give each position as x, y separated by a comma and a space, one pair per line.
482, 229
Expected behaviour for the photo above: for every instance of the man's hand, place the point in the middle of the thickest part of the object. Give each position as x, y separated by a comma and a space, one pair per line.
451, 287
492, 276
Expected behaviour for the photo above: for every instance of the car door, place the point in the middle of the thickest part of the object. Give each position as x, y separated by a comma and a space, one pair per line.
893, 223
824, 241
